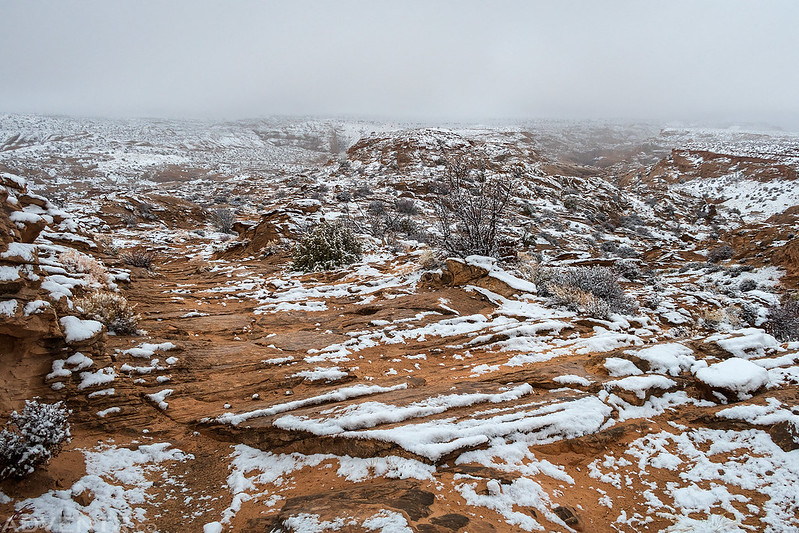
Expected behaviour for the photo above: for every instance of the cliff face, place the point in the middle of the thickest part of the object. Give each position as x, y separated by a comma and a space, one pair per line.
36, 290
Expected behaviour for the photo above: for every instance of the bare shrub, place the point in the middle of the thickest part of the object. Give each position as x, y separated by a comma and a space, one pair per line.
138, 257
145, 211
471, 207
32, 438
720, 253
747, 285
406, 206
328, 245
783, 320
223, 220
130, 220
112, 309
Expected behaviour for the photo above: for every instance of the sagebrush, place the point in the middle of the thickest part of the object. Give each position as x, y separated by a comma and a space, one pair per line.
31, 438
595, 289
112, 309
328, 245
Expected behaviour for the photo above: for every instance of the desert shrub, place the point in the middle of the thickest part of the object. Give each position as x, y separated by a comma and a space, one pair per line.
571, 203
428, 260
112, 309
627, 269
145, 211
138, 257
363, 191
344, 196
747, 285
32, 438
223, 220
783, 320
720, 253
130, 220
471, 208
600, 282
80, 263
406, 206
376, 207
106, 244
328, 245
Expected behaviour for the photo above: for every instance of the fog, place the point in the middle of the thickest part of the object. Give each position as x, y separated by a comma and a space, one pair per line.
718, 62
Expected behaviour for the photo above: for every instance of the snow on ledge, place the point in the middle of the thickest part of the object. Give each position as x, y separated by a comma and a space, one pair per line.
77, 330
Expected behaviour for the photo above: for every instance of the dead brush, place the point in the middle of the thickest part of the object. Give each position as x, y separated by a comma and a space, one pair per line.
106, 243
138, 257
271, 248
429, 260
112, 309
80, 263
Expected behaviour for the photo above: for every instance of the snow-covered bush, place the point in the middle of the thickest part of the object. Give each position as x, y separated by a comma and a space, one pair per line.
471, 208
111, 309
32, 438
328, 245
223, 220
80, 263
783, 320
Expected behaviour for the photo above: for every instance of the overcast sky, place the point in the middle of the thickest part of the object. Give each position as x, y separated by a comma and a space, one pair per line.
718, 61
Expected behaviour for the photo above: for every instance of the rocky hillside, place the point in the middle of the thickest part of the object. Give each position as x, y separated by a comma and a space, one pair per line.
627, 360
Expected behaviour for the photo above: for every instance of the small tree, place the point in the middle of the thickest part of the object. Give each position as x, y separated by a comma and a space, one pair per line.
471, 207
328, 245
32, 438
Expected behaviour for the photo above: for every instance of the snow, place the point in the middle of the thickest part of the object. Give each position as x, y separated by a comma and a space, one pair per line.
746, 343
9, 273
387, 521
117, 480
8, 308
734, 374
147, 350
212, 527
667, 358
708, 469
101, 377
494, 271
77, 330
641, 384
319, 374
436, 438
618, 367
159, 398
35, 307
338, 395
20, 250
